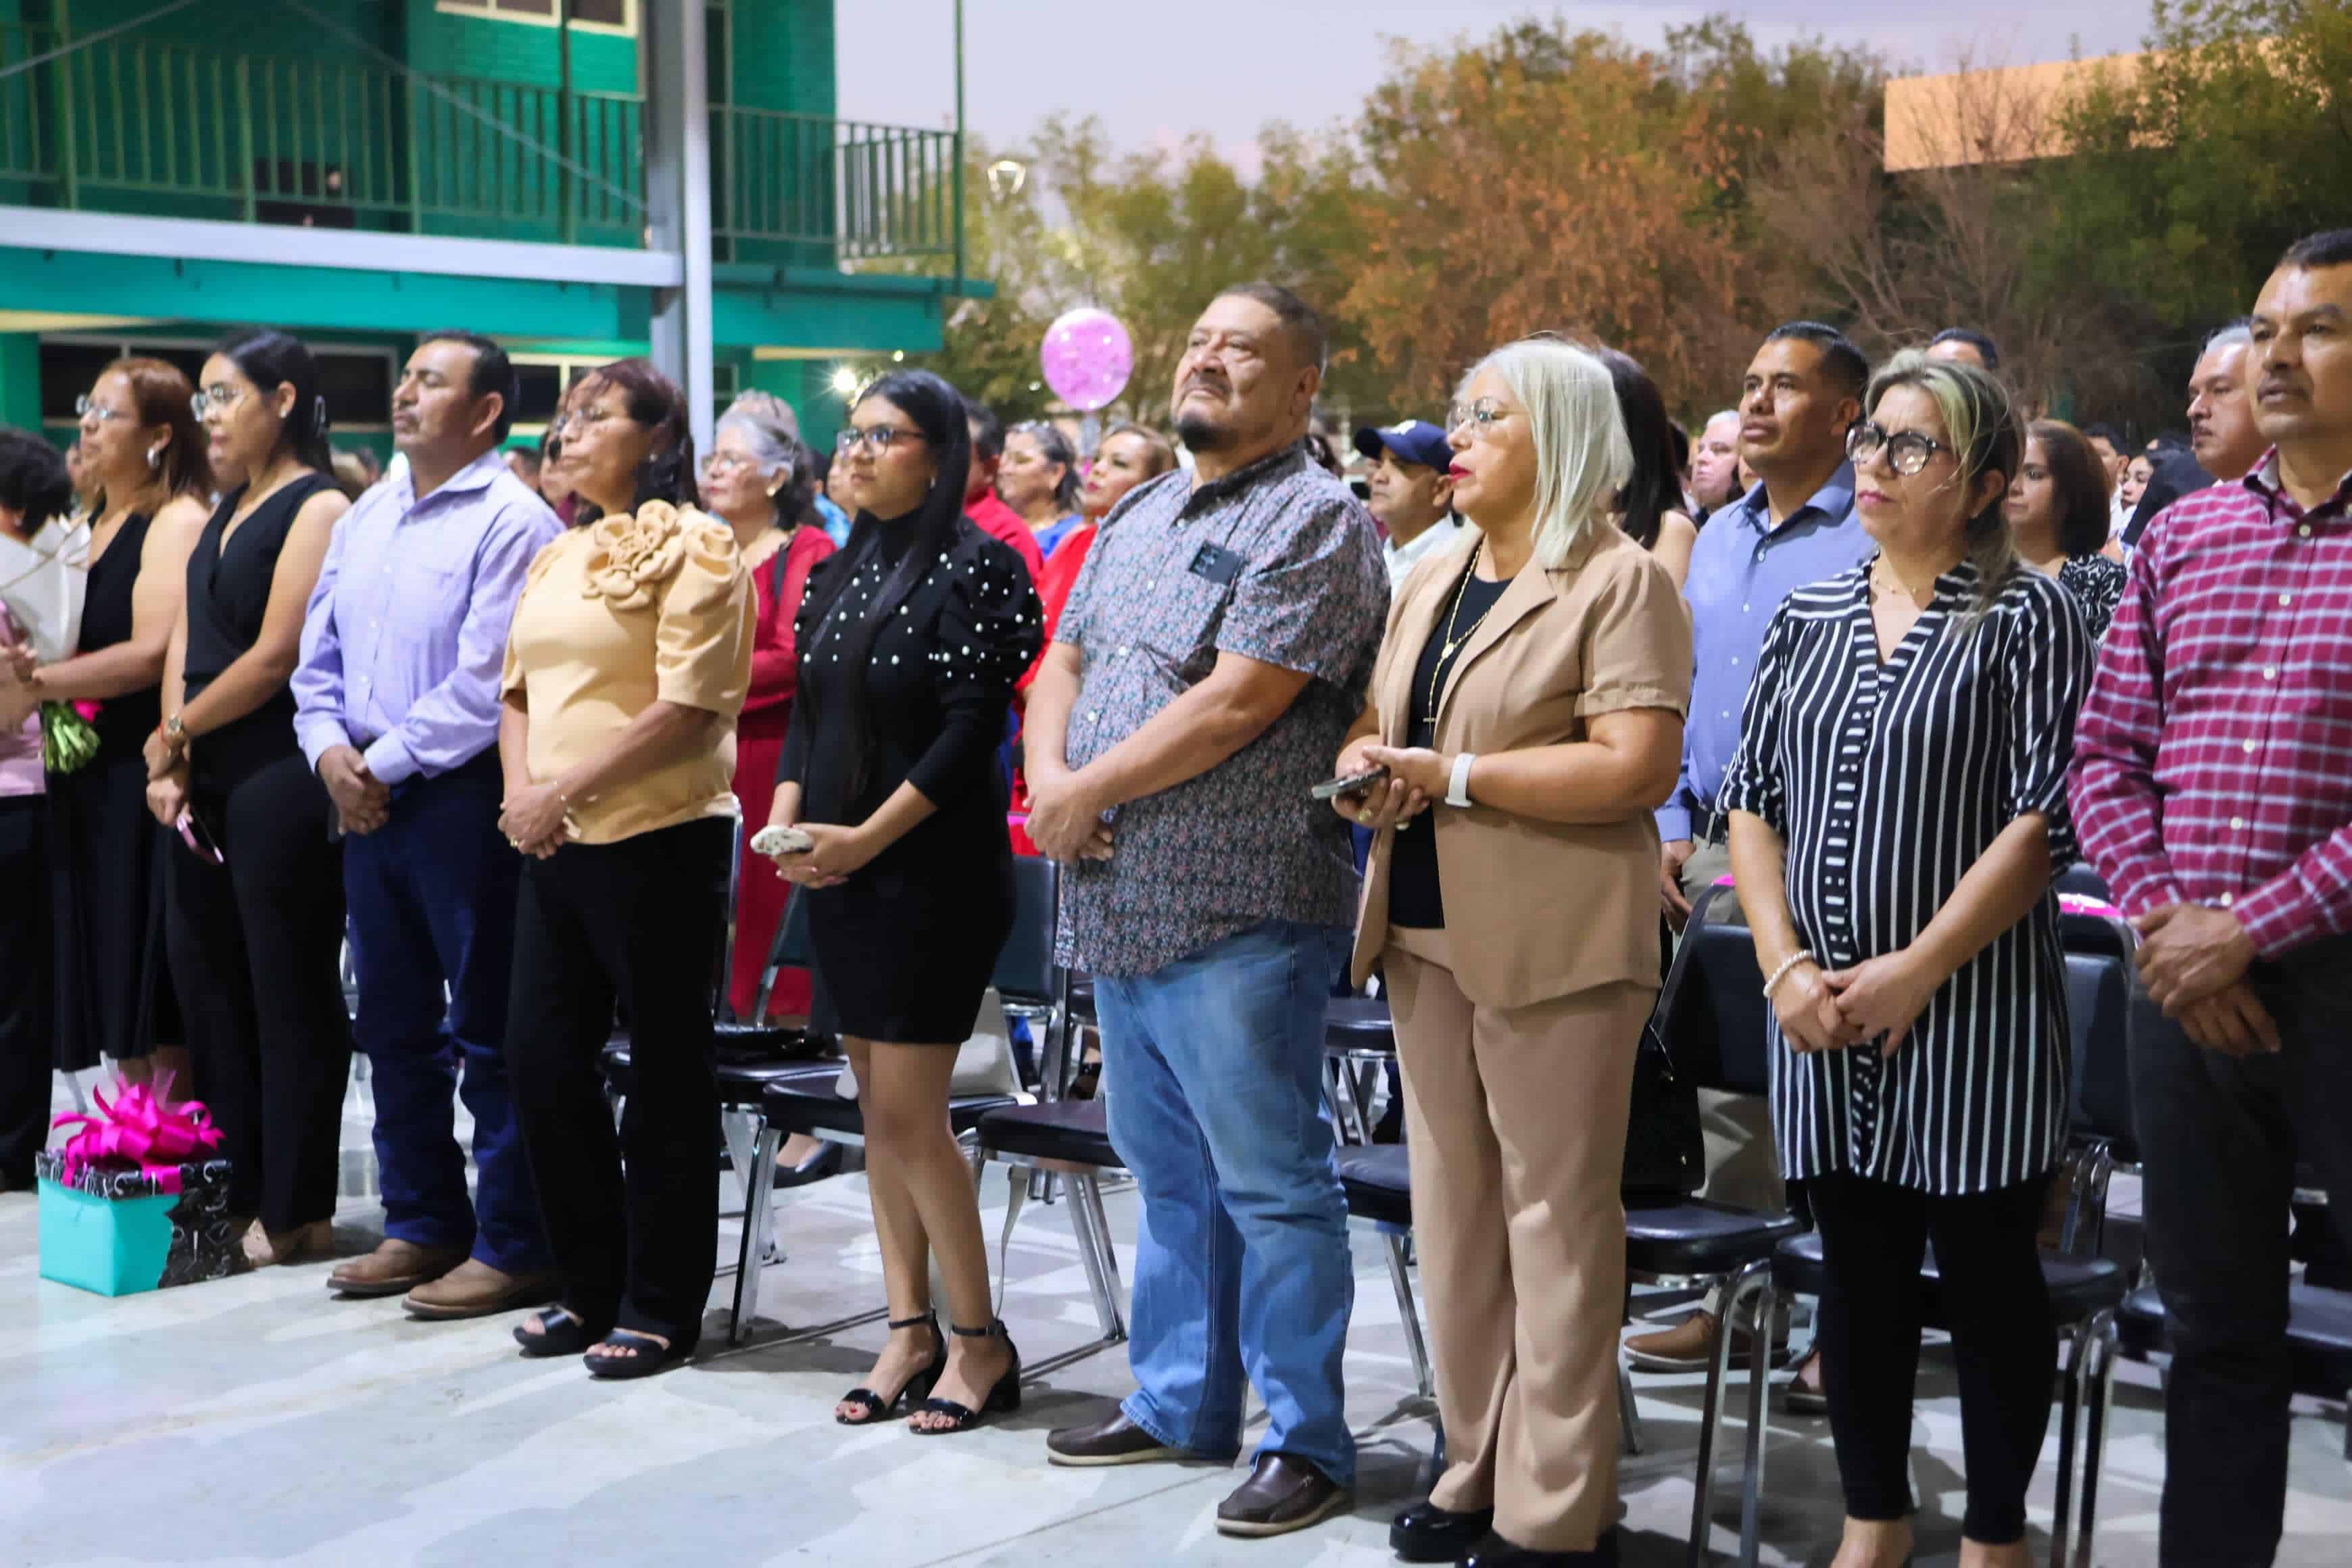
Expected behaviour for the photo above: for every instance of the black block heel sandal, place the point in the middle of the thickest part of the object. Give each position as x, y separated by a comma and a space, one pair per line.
562, 1332
652, 1356
1003, 1399
873, 1407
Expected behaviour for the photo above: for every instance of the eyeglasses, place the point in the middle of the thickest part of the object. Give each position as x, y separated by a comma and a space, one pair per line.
87, 410
1480, 417
1907, 451
877, 437
577, 421
719, 463
217, 398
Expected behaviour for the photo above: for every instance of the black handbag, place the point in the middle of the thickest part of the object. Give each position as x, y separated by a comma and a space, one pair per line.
1665, 1151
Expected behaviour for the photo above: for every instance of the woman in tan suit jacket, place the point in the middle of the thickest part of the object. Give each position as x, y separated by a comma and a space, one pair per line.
1527, 706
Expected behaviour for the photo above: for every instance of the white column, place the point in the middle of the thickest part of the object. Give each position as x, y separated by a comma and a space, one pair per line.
677, 190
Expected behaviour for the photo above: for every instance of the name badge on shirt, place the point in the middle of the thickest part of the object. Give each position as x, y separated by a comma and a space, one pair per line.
1217, 563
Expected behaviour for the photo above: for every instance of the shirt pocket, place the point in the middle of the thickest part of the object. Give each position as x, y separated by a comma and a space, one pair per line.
431, 567
1184, 623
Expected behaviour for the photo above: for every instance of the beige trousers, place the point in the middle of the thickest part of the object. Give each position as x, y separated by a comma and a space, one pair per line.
1516, 1118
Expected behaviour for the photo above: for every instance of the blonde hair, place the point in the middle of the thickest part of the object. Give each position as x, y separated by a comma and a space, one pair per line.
1986, 435
1583, 457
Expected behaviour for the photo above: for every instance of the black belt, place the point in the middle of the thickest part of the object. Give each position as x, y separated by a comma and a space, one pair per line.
1709, 826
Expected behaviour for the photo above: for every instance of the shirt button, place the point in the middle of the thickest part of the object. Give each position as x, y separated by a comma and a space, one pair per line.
2286, 599
1743, 609
2270, 673
2305, 531
2227, 900
2238, 823
1093, 714
2250, 748
1726, 713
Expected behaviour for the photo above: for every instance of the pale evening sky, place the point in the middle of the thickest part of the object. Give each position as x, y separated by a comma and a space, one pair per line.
1156, 71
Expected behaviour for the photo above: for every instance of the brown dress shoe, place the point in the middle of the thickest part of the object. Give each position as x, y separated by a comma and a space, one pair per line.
1117, 1441
394, 1269
1689, 1346
475, 1290
1282, 1494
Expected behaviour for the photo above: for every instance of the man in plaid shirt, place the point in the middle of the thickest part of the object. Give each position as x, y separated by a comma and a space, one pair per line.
2212, 789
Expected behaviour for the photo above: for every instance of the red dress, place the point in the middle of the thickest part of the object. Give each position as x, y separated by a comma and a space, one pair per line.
758, 746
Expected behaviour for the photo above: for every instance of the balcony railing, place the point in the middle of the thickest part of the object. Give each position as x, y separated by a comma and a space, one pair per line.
130, 125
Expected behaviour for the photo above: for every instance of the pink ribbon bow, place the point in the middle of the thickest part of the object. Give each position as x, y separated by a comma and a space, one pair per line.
137, 1129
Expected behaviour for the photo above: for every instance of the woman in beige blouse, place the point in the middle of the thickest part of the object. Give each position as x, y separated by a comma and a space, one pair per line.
627, 665
1528, 708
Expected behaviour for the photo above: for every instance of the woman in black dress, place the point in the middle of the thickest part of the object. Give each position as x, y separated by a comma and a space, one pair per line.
1898, 804
148, 480
2057, 512
254, 912
910, 641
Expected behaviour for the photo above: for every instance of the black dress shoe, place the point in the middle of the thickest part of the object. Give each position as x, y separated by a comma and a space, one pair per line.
826, 1162
1428, 1534
1496, 1553
1282, 1494
1117, 1441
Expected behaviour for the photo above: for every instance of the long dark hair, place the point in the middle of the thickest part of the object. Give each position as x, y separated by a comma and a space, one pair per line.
937, 410
1655, 487
655, 402
1055, 448
271, 360
2081, 481
162, 395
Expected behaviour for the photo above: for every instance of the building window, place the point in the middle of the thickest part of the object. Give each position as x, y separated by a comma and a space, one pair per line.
590, 16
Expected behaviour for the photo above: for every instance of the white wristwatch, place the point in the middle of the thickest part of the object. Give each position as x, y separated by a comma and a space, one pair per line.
1457, 788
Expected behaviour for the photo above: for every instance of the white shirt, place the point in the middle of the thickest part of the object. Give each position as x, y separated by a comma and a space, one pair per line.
1433, 539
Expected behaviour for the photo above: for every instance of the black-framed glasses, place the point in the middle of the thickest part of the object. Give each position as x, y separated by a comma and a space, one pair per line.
877, 437
1907, 451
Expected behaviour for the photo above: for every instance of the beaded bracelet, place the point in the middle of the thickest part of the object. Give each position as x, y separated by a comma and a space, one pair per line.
1803, 955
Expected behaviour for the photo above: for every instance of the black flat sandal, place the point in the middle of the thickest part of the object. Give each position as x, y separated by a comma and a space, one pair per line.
874, 1408
652, 1356
562, 1331
1003, 1399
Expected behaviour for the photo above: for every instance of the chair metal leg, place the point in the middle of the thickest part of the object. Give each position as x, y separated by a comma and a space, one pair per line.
1095, 1253
2070, 1403
2101, 1373
1629, 1419
740, 1128
1400, 1276
751, 1255
1759, 1384
1710, 1420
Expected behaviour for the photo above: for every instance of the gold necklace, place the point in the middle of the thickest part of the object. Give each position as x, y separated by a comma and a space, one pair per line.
1453, 641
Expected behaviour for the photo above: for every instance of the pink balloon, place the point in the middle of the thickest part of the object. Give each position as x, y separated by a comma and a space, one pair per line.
1088, 358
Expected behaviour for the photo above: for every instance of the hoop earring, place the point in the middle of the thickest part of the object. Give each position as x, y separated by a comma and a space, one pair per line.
154, 459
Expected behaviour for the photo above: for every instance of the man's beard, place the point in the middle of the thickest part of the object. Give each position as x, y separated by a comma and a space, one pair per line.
1200, 433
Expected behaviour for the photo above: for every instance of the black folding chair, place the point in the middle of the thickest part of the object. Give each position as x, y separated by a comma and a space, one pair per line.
1711, 1018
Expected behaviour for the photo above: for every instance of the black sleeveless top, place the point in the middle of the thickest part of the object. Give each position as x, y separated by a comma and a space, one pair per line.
228, 595
125, 721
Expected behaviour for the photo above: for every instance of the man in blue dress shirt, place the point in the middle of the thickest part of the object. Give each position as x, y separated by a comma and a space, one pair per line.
1801, 394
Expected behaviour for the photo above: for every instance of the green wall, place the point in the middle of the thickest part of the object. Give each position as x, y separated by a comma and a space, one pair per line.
20, 380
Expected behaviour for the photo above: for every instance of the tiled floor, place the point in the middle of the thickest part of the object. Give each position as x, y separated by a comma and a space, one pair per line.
256, 1420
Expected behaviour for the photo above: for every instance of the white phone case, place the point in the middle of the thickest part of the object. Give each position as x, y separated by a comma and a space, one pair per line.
774, 841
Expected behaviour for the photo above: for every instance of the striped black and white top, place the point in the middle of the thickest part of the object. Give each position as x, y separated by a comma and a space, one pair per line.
1887, 780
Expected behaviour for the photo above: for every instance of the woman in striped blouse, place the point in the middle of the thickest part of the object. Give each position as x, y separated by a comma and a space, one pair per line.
1897, 807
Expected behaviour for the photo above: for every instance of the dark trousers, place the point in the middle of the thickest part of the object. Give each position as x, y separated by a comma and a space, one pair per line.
635, 922
1993, 1300
25, 982
2219, 1136
255, 947
432, 896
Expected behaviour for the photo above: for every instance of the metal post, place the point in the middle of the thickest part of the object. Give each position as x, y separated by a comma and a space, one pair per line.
567, 214
68, 161
958, 185
677, 167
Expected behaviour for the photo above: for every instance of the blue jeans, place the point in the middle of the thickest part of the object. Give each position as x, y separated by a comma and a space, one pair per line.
432, 898
1213, 1071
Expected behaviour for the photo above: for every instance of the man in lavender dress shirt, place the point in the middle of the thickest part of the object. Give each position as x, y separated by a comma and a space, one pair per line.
398, 711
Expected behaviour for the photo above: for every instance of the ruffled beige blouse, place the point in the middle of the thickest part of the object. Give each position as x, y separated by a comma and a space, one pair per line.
617, 615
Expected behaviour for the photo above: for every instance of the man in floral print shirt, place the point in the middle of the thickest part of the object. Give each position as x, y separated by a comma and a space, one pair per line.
1217, 647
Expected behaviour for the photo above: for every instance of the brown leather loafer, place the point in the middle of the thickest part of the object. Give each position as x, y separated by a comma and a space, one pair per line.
475, 1290
1117, 1441
1282, 1494
394, 1269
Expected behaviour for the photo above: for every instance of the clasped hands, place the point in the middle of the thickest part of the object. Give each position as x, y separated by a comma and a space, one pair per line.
2193, 961
362, 801
535, 820
1417, 776
834, 854
1065, 815
1878, 999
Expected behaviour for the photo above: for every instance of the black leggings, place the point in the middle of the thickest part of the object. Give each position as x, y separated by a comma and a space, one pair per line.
25, 1035
1992, 1299
256, 946
632, 1219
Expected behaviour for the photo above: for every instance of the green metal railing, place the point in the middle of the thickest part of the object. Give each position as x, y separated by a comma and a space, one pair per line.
859, 190
127, 125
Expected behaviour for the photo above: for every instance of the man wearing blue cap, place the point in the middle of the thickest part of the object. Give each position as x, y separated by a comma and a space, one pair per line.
1412, 492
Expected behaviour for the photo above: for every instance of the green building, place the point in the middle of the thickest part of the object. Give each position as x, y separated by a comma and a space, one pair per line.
581, 179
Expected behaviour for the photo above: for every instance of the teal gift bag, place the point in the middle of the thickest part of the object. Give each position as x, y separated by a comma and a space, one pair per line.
115, 1246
